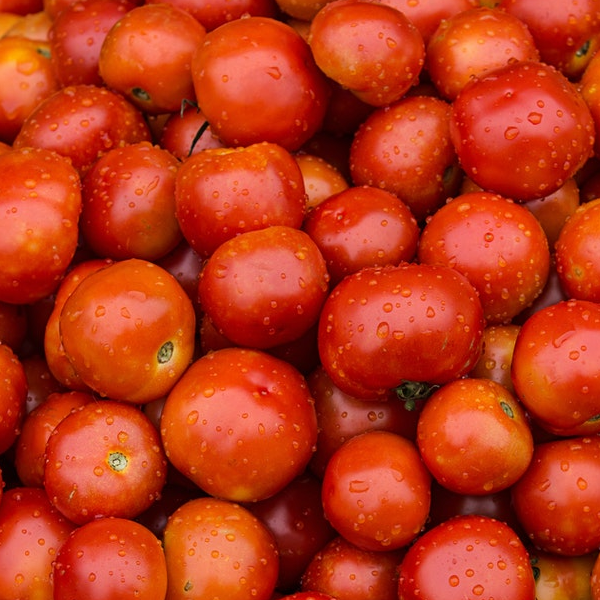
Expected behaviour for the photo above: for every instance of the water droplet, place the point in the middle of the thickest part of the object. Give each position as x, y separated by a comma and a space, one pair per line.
511, 133
358, 486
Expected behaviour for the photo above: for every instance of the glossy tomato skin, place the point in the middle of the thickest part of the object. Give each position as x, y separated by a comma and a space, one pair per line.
376, 491
381, 327
469, 556
42, 197
240, 423
563, 577
558, 498
321, 178
554, 367
13, 396
110, 558
282, 102
521, 130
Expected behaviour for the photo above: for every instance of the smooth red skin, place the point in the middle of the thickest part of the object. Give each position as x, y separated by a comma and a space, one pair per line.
345, 571
266, 287
215, 548
341, 417
426, 172
557, 499
295, 517
282, 102
521, 130
381, 327
13, 395
81, 122
564, 577
376, 491
41, 196
469, 43
590, 90
362, 226
577, 251
76, 36
222, 192
321, 178
555, 367
78, 477
466, 557
110, 558
240, 423
497, 244
373, 50
129, 203
31, 533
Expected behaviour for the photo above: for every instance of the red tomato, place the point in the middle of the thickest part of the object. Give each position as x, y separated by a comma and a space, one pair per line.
382, 327
104, 459
373, 50
31, 533
558, 498
40, 205
231, 410
321, 178
223, 192
40, 381
590, 90
21, 7
497, 244
218, 549
555, 367
128, 330
264, 288
521, 130
110, 558
129, 203
469, 556
147, 56
256, 80
563, 577
376, 491
13, 395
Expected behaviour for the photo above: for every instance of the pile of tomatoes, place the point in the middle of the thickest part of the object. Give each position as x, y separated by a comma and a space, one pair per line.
299, 299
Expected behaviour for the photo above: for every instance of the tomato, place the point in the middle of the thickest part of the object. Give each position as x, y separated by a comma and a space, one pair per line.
563, 577
222, 192
13, 395
306, 596
104, 459
146, 56
471, 42
554, 367
76, 36
33, 26
256, 80
425, 172
376, 491
373, 50
497, 244
362, 226
219, 549
128, 330
41, 202
595, 580
469, 556
558, 497
21, 7
382, 327
31, 533
521, 130
231, 410
576, 254
266, 287
343, 570
474, 437
110, 558
81, 122
321, 178
590, 90
40, 381
128, 206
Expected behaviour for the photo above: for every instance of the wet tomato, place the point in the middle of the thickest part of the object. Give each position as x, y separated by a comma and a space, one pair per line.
13, 395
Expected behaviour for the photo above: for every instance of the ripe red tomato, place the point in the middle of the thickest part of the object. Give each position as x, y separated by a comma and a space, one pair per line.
256, 80
469, 556
321, 178
128, 330
555, 367
104, 459
110, 558
240, 423
266, 287
13, 395
521, 130
219, 549
376, 491
382, 327
558, 498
